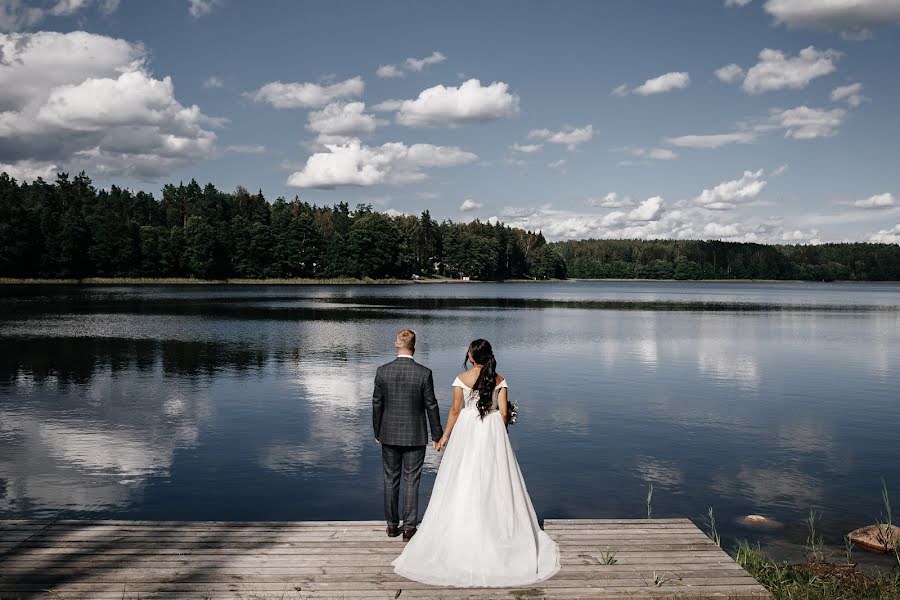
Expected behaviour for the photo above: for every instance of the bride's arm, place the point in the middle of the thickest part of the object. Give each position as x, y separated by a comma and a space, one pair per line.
451, 418
503, 405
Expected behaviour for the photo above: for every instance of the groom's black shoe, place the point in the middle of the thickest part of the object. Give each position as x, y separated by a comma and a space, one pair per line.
393, 530
407, 535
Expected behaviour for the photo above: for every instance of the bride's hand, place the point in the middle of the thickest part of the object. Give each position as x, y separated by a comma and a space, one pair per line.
440, 444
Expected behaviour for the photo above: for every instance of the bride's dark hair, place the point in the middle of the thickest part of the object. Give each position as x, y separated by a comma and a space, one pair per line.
482, 354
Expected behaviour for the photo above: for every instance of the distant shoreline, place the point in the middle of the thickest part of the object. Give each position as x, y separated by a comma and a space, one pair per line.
187, 281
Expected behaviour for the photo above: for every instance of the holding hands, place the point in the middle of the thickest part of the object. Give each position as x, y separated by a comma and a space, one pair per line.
440, 444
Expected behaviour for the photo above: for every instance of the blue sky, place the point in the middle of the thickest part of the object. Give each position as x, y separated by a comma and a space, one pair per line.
759, 120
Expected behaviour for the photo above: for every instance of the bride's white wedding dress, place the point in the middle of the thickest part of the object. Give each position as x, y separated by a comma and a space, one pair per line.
480, 528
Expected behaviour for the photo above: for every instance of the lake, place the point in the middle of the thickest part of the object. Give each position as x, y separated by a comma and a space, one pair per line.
254, 402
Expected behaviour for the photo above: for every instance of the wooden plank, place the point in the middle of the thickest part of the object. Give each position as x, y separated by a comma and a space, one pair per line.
100, 559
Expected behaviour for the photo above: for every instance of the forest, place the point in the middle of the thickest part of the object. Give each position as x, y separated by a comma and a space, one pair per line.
70, 229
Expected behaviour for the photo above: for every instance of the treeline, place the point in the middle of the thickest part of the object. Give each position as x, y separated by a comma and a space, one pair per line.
69, 229
695, 259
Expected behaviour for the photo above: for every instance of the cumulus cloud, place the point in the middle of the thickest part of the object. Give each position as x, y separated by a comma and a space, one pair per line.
27, 170
649, 210
720, 231
737, 3
307, 95
571, 137
470, 205
199, 8
86, 101
853, 18
805, 123
526, 148
729, 194
686, 223
355, 164
730, 73
389, 71
715, 140
775, 71
852, 94
887, 236
448, 106
338, 121
610, 200
16, 14
666, 82
885, 200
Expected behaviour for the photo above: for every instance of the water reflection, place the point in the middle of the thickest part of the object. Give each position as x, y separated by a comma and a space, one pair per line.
160, 402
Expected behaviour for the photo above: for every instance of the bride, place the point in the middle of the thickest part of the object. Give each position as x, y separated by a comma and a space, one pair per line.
480, 528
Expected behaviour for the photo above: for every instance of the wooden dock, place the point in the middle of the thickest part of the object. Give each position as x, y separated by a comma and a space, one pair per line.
130, 560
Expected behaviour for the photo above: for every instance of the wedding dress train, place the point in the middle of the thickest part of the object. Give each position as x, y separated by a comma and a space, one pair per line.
480, 528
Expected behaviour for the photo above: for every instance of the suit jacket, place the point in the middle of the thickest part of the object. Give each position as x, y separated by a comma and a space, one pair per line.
403, 396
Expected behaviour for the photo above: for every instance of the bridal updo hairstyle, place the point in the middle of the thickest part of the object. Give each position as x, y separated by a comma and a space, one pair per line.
483, 354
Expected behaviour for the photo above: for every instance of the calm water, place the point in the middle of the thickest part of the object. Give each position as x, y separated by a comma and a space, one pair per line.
245, 403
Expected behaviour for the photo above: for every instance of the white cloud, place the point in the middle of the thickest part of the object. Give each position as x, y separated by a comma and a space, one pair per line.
410, 64
729, 194
213, 82
887, 236
737, 3
650, 209
775, 71
779, 171
715, 140
27, 170
719, 231
307, 95
355, 164
339, 121
854, 18
804, 123
85, 101
526, 148
558, 165
16, 14
885, 200
664, 83
388, 105
199, 8
450, 106
470, 205
610, 200
852, 94
654, 153
389, 71
730, 73
571, 137
417, 64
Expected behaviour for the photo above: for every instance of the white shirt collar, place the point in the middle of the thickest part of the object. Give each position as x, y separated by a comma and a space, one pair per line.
404, 356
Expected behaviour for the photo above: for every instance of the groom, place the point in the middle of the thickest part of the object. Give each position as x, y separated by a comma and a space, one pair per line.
404, 394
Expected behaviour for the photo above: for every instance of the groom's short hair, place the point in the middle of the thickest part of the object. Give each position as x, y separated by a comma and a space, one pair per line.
406, 339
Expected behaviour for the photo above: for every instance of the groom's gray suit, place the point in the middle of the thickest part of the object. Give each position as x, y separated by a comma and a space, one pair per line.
403, 396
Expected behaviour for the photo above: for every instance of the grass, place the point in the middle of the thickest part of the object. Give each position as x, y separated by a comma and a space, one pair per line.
816, 580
